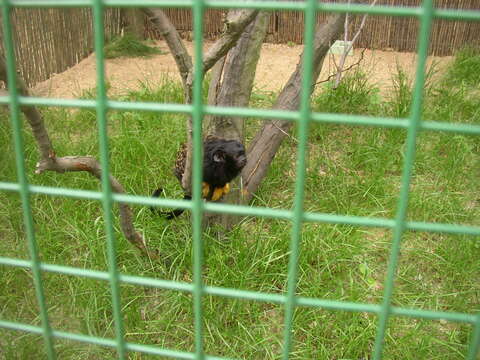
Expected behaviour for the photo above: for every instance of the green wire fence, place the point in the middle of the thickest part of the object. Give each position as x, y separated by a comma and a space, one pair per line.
426, 13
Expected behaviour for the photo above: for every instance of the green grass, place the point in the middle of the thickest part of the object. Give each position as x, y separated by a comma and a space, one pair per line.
129, 45
466, 67
350, 170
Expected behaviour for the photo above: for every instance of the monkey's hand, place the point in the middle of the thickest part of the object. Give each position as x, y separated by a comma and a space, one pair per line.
226, 189
219, 192
205, 189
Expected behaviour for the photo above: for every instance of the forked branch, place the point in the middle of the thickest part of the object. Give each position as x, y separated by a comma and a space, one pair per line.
348, 48
235, 24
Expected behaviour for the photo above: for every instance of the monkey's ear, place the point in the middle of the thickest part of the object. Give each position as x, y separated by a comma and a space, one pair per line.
219, 156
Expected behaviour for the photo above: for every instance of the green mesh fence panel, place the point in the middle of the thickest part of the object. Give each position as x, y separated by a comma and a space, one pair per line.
425, 13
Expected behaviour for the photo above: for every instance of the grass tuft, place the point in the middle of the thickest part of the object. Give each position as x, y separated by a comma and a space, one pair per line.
400, 99
129, 45
465, 67
354, 95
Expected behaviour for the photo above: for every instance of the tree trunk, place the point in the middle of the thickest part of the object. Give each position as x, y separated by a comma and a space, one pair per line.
263, 148
231, 85
234, 58
235, 25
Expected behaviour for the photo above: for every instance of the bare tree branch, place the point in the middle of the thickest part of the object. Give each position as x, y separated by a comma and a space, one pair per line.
49, 162
267, 141
362, 55
32, 114
92, 166
349, 47
235, 24
174, 42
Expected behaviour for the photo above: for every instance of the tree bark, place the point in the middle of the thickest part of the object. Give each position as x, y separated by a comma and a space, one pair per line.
235, 24
214, 87
236, 85
235, 90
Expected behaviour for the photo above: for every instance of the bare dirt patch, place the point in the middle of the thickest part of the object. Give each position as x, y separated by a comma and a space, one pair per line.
276, 63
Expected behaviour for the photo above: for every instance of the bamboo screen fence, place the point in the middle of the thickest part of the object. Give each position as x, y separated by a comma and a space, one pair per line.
380, 32
49, 41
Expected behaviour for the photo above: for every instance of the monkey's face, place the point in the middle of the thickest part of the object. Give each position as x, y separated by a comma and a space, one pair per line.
232, 154
223, 161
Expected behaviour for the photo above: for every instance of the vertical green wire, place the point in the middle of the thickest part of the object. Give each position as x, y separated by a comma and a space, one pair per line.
400, 218
197, 116
23, 181
107, 190
310, 15
474, 347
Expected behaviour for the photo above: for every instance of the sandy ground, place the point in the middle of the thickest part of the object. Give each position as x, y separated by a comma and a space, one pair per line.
275, 66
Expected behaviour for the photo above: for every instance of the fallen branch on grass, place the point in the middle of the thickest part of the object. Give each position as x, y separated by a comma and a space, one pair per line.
50, 162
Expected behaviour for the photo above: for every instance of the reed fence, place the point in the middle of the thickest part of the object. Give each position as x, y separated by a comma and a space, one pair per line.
49, 41
380, 32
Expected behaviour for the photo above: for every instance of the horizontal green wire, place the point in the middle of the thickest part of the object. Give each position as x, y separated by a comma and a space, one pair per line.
250, 210
342, 119
107, 3
147, 349
245, 294
452, 14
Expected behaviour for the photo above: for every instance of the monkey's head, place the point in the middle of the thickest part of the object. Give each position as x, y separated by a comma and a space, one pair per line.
231, 153
223, 160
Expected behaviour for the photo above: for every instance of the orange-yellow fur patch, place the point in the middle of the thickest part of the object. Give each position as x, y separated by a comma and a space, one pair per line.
205, 189
219, 192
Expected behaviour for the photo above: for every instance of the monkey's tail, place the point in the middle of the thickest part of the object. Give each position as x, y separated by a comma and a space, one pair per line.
168, 214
